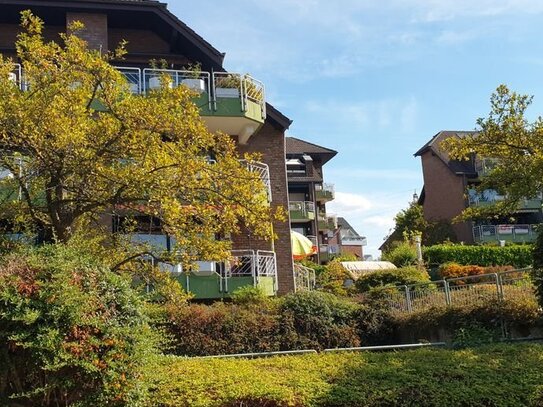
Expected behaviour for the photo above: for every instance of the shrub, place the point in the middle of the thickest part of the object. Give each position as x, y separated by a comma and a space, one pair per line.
537, 256
316, 320
71, 331
455, 270
392, 277
516, 255
332, 279
249, 295
402, 255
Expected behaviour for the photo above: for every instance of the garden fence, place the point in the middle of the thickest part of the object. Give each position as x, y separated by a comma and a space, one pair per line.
461, 291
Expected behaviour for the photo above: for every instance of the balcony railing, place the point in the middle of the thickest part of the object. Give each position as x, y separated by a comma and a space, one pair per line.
484, 165
325, 192
327, 222
301, 210
304, 278
354, 241
489, 197
221, 95
508, 233
263, 171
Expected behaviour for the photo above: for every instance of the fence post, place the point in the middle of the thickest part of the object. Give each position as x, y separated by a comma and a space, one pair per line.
447, 292
499, 287
408, 299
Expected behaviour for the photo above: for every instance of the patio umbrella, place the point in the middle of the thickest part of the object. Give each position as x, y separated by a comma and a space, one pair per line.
301, 246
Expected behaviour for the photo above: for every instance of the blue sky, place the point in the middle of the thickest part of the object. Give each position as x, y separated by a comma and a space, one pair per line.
375, 80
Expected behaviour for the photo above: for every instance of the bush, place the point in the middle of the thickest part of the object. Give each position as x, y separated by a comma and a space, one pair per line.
249, 295
315, 320
392, 277
71, 331
332, 279
517, 255
402, 255
497, 375
455, 270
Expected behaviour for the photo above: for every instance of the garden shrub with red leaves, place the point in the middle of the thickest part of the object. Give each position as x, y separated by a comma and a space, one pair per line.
71, 331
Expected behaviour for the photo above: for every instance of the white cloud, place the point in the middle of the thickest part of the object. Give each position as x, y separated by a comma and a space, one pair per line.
399, 115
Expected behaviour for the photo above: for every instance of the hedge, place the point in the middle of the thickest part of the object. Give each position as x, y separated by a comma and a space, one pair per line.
498, 375
517, 255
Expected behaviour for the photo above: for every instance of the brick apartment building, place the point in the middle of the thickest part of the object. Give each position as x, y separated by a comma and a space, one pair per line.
154, 33
308, 193
449, 189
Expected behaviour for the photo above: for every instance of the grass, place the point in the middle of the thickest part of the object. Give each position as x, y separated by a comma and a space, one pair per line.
498, 375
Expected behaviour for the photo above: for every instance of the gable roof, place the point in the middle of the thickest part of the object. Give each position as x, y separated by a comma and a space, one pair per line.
343, 224
459, 167
297, 146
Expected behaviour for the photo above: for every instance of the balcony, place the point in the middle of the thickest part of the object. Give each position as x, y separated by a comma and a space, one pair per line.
490, 197
301, 211
214, 280
326, 223
508, 233
325, 192
229, 102
483, 166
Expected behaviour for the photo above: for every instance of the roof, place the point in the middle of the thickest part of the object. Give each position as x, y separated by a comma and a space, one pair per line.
343, 224
297, 146
459, 167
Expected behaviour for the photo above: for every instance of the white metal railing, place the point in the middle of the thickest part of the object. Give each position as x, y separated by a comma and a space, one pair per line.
16, 75
263, 171
304, 207
323, 248
469, 290
133, 78
325, 188
304, 278
250, 263
507, 231
215, 85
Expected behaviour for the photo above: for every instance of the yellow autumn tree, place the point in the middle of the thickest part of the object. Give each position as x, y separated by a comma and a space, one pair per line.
77, 147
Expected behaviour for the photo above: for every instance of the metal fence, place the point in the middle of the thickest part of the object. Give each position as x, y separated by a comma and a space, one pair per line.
461, 291
304, 278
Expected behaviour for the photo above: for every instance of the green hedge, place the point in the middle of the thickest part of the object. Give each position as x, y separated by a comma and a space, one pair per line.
499, 375
517, 255
401, 276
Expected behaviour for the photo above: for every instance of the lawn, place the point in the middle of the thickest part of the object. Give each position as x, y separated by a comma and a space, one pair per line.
497, 375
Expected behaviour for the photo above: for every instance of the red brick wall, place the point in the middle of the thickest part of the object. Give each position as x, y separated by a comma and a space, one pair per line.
356, 250
139, 41
270, 142
95, 31
445, 195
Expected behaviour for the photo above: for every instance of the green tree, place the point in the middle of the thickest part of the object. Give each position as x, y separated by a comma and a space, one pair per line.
513, 142
79, 146
410, 222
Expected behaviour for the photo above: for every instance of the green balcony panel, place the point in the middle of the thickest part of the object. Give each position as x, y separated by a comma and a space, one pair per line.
209, 287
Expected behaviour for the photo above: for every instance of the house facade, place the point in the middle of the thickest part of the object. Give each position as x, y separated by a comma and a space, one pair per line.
449, 188
308, 193
346, 240
152, 32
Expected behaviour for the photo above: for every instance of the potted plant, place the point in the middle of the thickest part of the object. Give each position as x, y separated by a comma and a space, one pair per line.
193, 79
228, 86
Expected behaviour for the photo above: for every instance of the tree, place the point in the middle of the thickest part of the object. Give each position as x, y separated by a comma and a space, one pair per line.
79, 147
410, 222
513, 142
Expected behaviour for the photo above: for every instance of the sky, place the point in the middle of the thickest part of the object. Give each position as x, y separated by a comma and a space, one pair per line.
375, 80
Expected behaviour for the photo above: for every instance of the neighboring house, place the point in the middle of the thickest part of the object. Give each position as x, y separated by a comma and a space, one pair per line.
449, 189
308, 193
154, 33
346, 240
